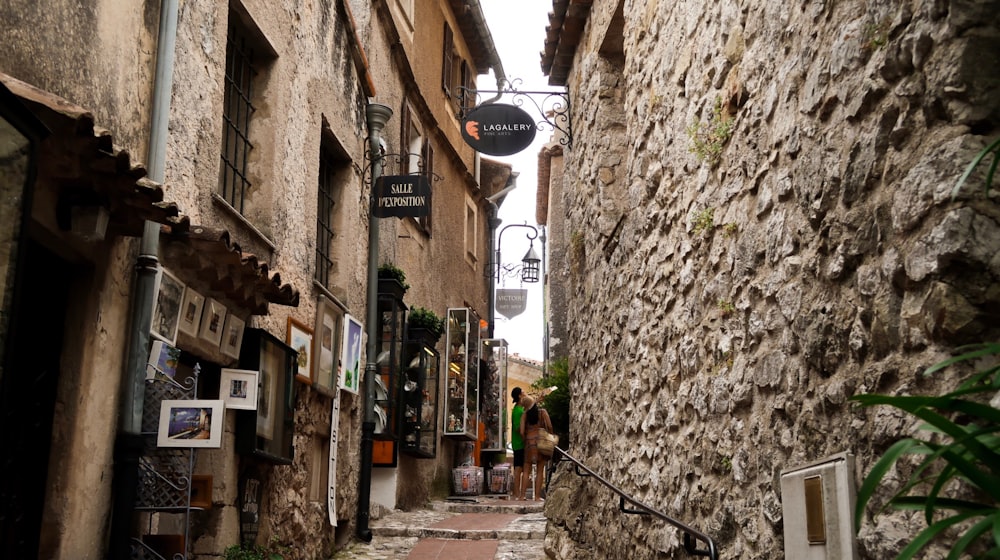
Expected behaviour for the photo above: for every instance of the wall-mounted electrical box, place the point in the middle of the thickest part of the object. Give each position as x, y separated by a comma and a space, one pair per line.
817, 503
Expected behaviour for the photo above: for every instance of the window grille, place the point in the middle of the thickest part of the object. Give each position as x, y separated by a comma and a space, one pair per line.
326, 203
237, 112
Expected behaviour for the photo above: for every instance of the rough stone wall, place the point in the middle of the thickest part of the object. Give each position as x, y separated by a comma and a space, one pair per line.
722, 311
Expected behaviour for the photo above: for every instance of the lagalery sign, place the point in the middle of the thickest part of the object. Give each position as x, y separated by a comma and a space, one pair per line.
498, 129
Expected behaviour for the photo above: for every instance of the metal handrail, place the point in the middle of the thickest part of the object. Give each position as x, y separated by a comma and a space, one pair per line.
691, 535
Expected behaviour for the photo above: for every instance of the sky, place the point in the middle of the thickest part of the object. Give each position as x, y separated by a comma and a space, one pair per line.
518, 29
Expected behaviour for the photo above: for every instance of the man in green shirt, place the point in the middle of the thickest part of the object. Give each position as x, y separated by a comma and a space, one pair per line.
517, 444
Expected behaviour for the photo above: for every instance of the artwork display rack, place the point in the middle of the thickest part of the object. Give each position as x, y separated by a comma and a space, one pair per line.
165, 474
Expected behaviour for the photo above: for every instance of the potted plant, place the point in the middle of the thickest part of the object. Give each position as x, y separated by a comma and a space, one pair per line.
392, 280
273, 551
423, 324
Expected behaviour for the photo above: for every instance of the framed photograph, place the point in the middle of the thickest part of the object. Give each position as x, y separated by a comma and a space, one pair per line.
163, 360
232, 337
238, 388
300, 338
191, 307
167, 309
326, 346
190, 423
350, 379
213, 321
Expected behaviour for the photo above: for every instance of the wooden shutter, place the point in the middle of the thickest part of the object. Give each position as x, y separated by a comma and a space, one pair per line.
404, 139
468, 98
447, 59
428, 169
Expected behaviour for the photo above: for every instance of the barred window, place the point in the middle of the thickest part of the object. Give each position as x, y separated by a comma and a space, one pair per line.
334, 169
238, 111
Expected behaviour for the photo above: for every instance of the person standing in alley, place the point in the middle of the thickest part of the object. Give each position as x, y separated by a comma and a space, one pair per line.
533, 419
517, 444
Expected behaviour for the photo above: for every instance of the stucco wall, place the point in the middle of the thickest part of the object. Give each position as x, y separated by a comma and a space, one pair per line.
713, 353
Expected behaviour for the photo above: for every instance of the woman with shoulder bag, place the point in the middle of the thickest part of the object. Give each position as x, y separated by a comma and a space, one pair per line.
532, 420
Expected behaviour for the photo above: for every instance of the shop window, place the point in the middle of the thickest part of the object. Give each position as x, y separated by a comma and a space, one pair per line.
267, 432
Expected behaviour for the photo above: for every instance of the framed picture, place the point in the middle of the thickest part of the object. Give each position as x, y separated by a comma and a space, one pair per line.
167, 309
163, 360
232, 338
300, 338
190, 423
191, 307
213, 321
326, 346
238, 388
350, 378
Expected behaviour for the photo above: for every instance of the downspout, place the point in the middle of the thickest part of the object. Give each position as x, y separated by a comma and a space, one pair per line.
377, 115
494, 222
476, 10
128, 444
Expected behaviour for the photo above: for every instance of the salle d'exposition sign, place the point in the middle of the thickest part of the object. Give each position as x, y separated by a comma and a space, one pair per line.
498, 129
402, 196
511, 303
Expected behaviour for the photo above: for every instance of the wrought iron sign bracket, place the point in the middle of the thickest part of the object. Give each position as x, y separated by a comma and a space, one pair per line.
552, 106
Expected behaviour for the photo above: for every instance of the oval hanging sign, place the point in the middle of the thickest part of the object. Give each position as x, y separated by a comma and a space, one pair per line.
498, 129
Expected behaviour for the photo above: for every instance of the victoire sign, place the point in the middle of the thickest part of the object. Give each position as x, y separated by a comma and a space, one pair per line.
498, 129
511, 303
402, 196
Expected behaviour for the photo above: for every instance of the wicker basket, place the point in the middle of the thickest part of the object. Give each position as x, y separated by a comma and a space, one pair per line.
500, 479
468, 481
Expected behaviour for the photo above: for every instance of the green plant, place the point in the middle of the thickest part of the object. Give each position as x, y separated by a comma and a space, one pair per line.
273, 551
729, 229
993, 148
556, 403
422, 318
726, 306
709, 138
957, 482
876, 34
727, 464
703, 221
392, 272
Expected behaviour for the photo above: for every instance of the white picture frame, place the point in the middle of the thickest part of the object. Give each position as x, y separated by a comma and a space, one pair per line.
190, 423
190, 316
238, 388
213, 322
350, 378
167, 307
232, 336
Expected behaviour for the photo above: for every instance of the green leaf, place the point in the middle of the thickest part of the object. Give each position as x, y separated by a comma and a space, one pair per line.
877, 473
991, 148
971, 353
971, 535
928, 534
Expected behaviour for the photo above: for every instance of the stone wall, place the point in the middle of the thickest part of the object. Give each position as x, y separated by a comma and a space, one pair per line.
725, 304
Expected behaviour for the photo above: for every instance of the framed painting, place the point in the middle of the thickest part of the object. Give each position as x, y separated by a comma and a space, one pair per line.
238, 388
232, 338
326, 346
191, 308
213, 321
167, 308
350, 379
190, 423
300, 338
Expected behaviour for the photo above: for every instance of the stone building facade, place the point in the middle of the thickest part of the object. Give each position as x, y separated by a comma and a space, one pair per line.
258, 197
760, 225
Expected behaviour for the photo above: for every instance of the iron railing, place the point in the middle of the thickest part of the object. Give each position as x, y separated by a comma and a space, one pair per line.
691, 535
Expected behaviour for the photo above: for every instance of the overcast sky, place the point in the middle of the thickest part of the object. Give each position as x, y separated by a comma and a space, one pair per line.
518, 29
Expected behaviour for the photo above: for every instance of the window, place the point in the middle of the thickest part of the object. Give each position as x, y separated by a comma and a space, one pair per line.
457, 79
417, 156
334, 171
447, 59
238, 111
471, 229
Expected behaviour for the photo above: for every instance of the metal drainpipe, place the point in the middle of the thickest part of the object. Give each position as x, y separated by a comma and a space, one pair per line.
377, 115
128, 444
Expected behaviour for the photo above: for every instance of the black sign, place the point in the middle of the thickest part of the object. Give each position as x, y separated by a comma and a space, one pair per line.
511, 303
498, 130
401, 196
250, 489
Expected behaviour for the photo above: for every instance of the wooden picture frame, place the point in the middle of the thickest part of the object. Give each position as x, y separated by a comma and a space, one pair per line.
300, 338
238, 388
190, 317
213, 322
326, 346
232, 336
190, 423
167, 308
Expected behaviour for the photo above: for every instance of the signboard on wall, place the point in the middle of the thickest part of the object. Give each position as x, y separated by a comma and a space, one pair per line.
402, 196
511, 302
498, 129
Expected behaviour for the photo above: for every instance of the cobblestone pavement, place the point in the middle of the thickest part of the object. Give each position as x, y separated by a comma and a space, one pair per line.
446, 527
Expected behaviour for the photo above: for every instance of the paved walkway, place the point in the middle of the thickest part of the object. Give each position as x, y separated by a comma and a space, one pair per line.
460, 528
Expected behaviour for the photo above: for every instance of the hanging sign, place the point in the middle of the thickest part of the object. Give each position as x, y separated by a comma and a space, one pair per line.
511, 303
402, 196
250, 488
498, 129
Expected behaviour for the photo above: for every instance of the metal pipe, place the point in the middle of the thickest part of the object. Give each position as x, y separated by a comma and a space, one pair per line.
494, 222
128, 444
377, 115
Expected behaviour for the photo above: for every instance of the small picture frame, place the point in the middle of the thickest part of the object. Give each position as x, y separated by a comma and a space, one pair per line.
191, 308
213, 322
238, 388
190, 423
232, 337
201, 491
167, 308
350, 378
327, 340
300, 338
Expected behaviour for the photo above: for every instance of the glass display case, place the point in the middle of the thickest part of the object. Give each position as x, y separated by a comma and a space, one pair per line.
492, 393
461, 413
389, 350
419, 400
267, 432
